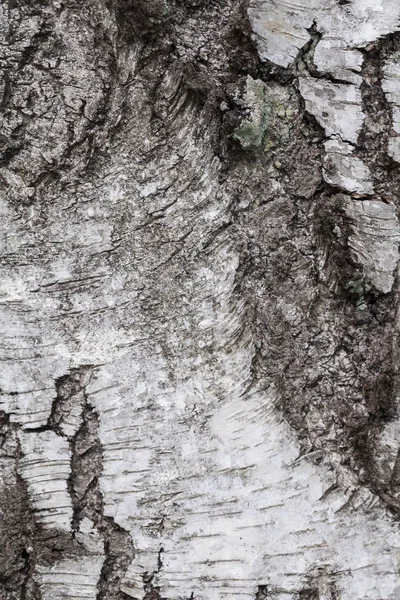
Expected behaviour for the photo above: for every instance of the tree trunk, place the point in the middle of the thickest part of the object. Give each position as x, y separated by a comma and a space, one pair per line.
199, 300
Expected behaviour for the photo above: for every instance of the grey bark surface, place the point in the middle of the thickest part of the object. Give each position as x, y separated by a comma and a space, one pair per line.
199, 295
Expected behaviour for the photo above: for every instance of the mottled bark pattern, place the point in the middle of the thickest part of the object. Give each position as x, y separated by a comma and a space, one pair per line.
199, 300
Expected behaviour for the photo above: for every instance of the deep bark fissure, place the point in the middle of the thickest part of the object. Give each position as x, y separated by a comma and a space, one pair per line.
87, 500
372, 144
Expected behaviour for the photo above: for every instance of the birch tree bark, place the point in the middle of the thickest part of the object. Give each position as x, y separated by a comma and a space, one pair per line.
199, 300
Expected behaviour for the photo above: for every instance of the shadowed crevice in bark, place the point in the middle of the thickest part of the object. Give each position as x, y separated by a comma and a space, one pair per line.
86, 468
119, 553
309, 594
262, 593
152, 592
372, 143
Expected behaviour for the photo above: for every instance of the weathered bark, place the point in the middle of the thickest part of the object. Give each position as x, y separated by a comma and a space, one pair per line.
199, 299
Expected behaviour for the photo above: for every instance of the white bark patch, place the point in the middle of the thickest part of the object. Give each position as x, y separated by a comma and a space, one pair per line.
335, 57
375, 240
344, 170
279, 36
72, 579
32, 358
30, 409
45, 466
336, 107
32, 354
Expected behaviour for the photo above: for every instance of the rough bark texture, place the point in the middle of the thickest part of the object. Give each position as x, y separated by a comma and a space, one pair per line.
199, 299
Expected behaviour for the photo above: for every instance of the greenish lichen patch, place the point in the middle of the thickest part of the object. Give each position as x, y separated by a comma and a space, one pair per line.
251, 130
270, 113
358, 288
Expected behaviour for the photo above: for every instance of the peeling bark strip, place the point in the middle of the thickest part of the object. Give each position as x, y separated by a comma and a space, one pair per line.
199, 300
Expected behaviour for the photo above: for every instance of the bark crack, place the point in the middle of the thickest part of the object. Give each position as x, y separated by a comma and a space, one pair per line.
152, 592
87, 499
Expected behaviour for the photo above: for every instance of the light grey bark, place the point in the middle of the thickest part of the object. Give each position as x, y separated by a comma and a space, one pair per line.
199, 300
